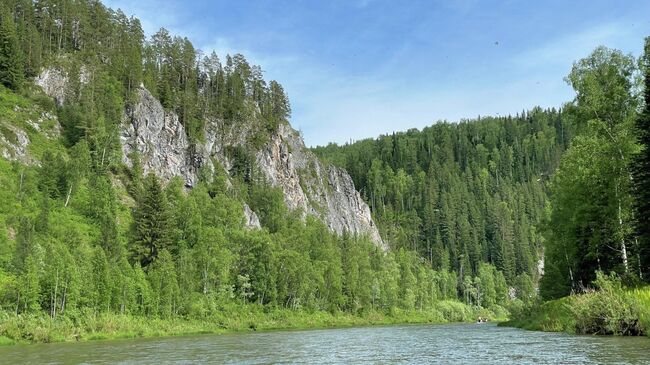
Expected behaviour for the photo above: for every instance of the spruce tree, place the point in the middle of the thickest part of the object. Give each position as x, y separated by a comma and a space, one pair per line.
152, 224
642, 170
11, 63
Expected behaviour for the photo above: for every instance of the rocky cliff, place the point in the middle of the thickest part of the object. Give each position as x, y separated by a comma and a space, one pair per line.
321, 190
314, 188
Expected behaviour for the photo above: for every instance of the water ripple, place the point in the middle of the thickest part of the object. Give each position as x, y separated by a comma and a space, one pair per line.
412, 344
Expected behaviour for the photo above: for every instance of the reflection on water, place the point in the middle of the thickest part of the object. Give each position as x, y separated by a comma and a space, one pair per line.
414, 344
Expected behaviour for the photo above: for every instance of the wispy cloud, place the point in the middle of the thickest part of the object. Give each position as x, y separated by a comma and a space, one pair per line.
356, 69
562, 51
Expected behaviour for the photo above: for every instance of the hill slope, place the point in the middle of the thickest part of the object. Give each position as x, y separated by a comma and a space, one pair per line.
462, 194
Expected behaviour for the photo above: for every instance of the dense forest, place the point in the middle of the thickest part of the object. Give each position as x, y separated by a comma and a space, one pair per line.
468, 209
461, 195
82, 234
570, 185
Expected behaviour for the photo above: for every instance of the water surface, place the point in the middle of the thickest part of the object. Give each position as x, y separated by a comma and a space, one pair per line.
409, 344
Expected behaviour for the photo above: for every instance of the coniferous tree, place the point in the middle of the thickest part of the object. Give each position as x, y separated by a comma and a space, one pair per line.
151, 222
642, 172
11, 60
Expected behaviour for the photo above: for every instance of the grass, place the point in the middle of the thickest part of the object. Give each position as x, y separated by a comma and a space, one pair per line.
551, 316
42, 329
608, 311
642, 298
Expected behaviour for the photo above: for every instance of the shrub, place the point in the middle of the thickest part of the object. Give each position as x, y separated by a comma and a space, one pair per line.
607, 311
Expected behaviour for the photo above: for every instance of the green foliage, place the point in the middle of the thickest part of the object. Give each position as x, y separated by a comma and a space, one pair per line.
461, 205
151, 223
251, 317
641, 170
461, 195
11, 60
268, 202
590, 225
608, 309
551, 316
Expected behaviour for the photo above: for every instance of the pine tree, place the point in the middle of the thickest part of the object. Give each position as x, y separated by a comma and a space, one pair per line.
11, 63
642, 170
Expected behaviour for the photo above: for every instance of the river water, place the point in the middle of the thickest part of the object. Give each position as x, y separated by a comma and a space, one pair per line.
408, 344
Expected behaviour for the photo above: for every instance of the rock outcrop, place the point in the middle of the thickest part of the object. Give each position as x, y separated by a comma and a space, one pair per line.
13, 144
54, 83
159, 138
15, 132
310, 186
314, 188
251, 220
321, 190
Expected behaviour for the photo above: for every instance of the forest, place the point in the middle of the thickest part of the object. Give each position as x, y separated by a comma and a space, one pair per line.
468, 209
82, 235
569, 185
462, 195
556, 200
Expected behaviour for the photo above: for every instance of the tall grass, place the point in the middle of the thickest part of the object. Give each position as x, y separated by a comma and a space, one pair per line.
610, 309
91, 326
642, 298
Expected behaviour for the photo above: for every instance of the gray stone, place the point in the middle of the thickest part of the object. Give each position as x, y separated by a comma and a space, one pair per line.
159, 138
309, 186
324, 191
251, 220
15, 148
321, 190
54, 83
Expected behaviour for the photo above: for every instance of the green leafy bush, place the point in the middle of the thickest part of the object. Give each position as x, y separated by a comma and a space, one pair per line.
608, 310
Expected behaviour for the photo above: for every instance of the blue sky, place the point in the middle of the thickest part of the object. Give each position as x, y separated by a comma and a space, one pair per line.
359, 68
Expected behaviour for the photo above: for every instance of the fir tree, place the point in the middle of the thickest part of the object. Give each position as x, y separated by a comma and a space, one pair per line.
151, 220
11, 62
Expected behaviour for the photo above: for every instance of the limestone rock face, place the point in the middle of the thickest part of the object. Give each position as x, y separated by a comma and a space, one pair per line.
326, 192
159, 138
251, 220
310, 186
54, 83
317, 189
15, 132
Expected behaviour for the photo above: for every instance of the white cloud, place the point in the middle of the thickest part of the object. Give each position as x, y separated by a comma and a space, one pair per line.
563, 51
330, 105
339, 111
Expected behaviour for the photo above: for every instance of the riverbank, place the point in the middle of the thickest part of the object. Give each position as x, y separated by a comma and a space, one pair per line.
393, 344
42, 329
608, 311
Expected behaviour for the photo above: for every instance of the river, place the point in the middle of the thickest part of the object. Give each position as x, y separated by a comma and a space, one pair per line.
406, 344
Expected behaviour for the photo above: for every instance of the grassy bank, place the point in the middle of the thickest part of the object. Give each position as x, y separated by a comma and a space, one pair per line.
610, 310
34, 329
